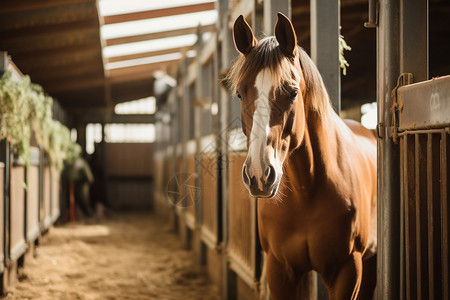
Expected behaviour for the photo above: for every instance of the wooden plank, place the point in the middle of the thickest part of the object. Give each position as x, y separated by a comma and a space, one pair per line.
59, 72
157, 35
62, 85
56, 53
50, 29
149, 54
17, 6
139, 71
158, 13
48, 16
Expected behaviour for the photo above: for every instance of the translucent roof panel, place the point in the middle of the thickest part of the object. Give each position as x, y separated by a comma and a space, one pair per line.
116, 7
149, 27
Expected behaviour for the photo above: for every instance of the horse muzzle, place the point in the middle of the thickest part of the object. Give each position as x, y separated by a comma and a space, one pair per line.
263, 185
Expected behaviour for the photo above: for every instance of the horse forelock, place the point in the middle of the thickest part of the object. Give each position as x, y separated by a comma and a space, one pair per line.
267, 54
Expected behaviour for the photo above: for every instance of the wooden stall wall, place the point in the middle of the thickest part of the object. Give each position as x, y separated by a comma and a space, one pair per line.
45, 205
130, 178
17, 212
55, 193
32, 207
2, 215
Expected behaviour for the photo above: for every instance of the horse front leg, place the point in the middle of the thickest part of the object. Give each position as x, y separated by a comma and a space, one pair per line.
282, 284
347, 282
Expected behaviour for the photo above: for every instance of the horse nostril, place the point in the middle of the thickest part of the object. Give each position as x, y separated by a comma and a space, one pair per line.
270, 174
245, 175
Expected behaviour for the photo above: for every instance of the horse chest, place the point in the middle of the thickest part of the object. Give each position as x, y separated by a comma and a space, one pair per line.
305, 236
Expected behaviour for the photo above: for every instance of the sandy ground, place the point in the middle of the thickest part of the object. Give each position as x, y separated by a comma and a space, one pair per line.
127, 256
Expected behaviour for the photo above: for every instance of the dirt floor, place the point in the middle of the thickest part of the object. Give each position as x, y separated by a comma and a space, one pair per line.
131, 256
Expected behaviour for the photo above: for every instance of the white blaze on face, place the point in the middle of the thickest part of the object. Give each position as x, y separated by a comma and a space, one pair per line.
260, 128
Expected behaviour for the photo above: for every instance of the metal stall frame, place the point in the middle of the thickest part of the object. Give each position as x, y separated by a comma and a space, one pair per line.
402, 47
423, 130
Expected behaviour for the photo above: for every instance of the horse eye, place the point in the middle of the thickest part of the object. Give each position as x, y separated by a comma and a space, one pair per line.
239, 95
293, 95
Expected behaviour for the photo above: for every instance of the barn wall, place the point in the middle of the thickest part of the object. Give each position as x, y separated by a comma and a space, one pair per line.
130, 178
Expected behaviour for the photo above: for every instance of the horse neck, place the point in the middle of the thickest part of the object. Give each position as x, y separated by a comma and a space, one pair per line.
310, 165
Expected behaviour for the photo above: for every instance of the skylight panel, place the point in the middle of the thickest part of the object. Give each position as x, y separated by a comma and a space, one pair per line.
158, 24
152, 45
116, 7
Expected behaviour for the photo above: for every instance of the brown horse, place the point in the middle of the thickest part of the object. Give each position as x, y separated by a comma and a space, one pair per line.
317, 171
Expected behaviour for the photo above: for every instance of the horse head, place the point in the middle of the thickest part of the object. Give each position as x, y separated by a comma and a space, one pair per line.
268, 80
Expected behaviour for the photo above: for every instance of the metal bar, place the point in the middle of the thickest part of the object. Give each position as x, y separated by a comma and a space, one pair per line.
421, 216
410, 220
414, 38
408, 132
388, 256
444, 214
424, 104
430, 217
372, 22
271, 8
417, 212
403, 201
325, 22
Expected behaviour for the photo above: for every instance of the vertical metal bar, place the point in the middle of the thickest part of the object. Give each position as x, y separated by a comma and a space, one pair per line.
430, 225
403, 201
197, 135
271, 8
325, 22
444, 214
417, 213
410, 223
226, 48
388, 257
421, 216
414, 38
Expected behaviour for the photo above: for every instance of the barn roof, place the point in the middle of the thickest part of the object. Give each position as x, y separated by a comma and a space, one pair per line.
89, 53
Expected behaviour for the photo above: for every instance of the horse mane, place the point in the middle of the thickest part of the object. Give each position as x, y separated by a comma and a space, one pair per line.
267, 54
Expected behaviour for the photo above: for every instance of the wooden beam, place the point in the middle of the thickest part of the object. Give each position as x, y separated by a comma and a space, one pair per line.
58, 52
158, 13
157, 35
79, 83
50, 30
17, 6
48, 16
138, 72
75, 69
36, 44
149, 54
60, 58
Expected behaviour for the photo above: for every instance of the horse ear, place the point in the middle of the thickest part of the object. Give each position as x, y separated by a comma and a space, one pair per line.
243, 36
285, 35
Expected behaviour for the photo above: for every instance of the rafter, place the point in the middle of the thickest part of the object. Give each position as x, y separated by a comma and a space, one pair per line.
158, 13
149, 54
15, 6
158, 35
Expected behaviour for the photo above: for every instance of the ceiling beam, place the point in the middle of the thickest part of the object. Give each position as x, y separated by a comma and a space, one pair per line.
58, 72
158, 35
16, 6
149, 54
136, 72
79, 83
50, 29
158, 13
